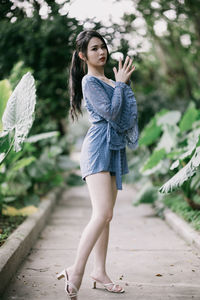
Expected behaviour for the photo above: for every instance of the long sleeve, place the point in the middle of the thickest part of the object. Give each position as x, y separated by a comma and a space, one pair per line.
119, 110
109, 109
130, 114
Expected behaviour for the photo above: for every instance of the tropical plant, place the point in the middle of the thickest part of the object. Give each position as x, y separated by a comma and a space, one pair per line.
175, 153
5, 92
18, 116
184, 178
30, 166
17, 120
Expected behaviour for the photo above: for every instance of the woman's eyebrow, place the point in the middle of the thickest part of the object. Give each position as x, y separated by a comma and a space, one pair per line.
96, 45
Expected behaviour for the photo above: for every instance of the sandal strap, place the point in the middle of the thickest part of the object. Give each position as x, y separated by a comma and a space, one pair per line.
68, 284
107, 284
72, 295
114, 286
72, 285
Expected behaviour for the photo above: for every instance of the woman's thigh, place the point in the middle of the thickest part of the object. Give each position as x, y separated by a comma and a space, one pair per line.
114, 189
100, 188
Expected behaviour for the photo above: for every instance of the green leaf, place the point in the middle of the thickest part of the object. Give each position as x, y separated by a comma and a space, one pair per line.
4, 142
5, 92
74, 180
147, 194
190, 116
23, 163
154, 159
150, 134
175, 153
13, 189
152, 131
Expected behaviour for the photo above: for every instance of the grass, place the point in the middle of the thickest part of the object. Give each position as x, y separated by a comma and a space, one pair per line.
178, 205
7, 225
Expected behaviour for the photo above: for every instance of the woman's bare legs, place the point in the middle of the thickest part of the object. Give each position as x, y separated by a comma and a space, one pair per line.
101, 193
101, 246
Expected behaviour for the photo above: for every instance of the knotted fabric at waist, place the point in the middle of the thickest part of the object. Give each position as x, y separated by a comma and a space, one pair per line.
115, 139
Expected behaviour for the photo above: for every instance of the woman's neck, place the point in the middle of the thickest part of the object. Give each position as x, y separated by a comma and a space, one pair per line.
96, 72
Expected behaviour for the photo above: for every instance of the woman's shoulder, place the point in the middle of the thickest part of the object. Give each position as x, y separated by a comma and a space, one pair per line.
90, 81
89, 78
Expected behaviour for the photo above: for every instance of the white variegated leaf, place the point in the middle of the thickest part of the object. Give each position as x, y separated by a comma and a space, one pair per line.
193, 137
196, 158
168, 139
170, 118
19, 112
183, 175
187, 153
174, 165
42, 136
2, 156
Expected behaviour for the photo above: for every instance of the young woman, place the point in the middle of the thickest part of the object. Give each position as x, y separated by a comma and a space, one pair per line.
113, 115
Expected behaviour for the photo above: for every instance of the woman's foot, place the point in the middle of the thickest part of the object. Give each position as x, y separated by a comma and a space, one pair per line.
72, 282
74, 278
106, 281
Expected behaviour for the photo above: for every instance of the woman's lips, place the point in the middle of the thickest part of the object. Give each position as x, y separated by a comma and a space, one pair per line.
102, 58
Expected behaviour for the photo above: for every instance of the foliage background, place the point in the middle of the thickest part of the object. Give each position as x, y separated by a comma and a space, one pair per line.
167, 72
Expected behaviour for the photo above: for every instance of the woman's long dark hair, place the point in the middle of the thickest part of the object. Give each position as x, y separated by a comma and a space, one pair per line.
78, 70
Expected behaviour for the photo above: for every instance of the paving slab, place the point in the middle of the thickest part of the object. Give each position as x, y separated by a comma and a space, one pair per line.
145, 255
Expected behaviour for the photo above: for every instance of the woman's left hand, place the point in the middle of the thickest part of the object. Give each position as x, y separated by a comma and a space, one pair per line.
124, 72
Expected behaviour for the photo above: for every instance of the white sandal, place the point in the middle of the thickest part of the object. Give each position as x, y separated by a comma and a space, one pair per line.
64, 274
107, 285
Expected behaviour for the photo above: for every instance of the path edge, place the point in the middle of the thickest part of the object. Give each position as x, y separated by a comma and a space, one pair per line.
178, 224
19, 243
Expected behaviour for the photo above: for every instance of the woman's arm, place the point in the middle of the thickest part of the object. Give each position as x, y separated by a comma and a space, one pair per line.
95, 94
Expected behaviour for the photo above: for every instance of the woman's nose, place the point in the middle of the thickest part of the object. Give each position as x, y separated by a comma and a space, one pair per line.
101, 50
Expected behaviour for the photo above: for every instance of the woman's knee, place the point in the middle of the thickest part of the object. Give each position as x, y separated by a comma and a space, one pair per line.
104, 217
108, 218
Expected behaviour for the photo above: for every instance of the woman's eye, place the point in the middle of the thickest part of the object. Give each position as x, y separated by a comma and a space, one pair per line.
94, 49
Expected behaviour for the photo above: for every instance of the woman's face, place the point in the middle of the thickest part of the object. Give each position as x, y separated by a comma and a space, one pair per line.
96, 53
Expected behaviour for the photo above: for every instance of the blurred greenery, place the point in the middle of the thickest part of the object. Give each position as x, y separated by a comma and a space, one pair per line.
167, 74
174, 157
166, 79
177, 205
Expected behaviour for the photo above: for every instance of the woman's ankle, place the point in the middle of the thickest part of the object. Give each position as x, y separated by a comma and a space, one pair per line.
76, 271
74, 276
99, 272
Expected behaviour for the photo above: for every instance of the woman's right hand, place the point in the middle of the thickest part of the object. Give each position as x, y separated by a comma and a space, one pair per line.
124, 72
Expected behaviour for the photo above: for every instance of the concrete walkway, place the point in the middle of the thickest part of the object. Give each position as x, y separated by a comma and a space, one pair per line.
144, 254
